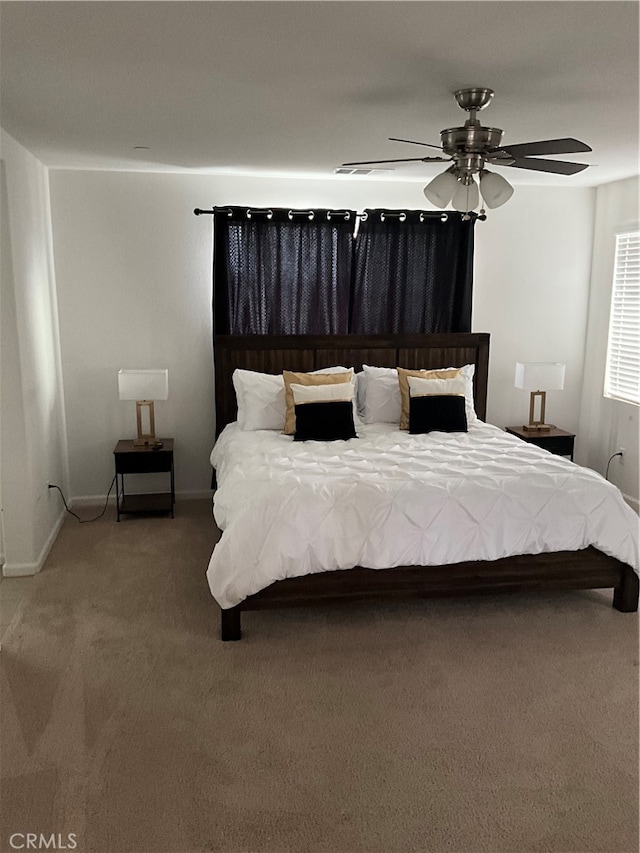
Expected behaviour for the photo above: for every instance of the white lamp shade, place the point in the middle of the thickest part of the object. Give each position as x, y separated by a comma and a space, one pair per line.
466, 197
495, 189
143, 384
440, 190
540, 376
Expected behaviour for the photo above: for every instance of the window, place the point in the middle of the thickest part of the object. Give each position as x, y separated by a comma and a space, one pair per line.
622, 379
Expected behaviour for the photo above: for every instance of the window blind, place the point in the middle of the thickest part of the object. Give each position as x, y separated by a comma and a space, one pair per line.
622, 378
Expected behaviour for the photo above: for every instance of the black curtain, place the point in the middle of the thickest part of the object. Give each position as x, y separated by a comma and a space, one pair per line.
295, 272
413, 272
282, 272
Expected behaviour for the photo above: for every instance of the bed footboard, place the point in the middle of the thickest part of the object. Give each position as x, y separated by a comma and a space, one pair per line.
585, 569
625, 596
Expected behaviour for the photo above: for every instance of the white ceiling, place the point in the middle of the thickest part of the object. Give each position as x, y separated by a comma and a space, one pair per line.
300, 87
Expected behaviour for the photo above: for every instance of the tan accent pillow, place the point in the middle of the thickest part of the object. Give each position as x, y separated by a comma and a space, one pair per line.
403, 380
291, 378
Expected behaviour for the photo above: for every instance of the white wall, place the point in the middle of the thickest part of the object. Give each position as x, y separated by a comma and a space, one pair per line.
608, 424
133, 270
532, 268
134, 267
32, 441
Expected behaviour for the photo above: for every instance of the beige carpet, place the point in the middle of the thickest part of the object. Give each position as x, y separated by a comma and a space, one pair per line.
496, 724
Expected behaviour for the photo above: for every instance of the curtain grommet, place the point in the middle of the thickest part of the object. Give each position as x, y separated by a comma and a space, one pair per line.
267, 210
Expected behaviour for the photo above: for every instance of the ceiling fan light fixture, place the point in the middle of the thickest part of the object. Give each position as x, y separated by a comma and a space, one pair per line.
441, 189
466, 196
495, 189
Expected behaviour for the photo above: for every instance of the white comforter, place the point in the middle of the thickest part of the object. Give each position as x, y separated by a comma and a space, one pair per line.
389, 498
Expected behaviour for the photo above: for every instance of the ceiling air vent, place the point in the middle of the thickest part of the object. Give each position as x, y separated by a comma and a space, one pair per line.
347, 170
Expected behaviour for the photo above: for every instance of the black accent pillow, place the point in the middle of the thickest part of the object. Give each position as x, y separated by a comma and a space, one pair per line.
437, 412
325, 421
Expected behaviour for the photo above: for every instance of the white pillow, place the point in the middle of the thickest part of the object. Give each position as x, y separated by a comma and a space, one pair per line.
333, 370
261, 398
382, 402
322, 393
466, 373
360, 386
381, 395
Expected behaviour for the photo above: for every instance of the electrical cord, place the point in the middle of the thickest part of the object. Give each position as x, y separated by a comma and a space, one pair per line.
613, 456
71, 512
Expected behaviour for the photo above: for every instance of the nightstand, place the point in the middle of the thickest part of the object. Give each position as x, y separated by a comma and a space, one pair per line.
130, 459
554, 440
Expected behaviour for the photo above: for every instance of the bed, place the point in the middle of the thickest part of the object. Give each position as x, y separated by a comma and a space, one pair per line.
247, 572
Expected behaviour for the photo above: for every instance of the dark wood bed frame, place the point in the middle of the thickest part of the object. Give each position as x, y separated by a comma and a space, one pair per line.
585, 569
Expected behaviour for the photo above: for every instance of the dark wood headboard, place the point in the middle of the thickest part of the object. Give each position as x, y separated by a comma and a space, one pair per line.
271, 354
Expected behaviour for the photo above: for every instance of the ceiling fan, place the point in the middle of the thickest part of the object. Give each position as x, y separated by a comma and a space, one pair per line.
470, 148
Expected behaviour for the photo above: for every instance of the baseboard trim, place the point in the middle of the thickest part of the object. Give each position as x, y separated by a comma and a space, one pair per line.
19, 570
195, 496
92, 500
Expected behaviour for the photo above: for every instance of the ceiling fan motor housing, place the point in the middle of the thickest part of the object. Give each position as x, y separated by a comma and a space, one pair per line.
470, 138
469, 145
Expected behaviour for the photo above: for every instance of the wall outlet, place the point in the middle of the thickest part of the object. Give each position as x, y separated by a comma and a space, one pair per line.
622, 452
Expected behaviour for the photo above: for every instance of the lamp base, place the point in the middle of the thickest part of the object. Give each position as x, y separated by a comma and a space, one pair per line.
146, 439
537, 425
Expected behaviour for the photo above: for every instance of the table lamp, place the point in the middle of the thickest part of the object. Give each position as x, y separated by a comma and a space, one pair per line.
539, 377
144, 386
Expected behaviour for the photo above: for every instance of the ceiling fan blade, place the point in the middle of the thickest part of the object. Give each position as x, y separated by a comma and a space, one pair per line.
405, 160
546, 146
559, 167
413, 142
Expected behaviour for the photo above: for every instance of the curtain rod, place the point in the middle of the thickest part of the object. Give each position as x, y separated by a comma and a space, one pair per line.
346, 214
401, 215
